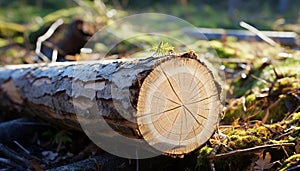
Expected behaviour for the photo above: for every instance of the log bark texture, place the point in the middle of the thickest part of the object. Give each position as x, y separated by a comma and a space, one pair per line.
121, 92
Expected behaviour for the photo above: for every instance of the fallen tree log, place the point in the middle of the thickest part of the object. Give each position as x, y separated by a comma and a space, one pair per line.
172, 103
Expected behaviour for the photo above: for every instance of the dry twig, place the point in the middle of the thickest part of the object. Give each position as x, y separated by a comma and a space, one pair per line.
258, 33
44, 37
11, 163
13, 156
249, 150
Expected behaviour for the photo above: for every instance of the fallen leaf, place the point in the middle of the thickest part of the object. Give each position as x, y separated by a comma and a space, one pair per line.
263, 163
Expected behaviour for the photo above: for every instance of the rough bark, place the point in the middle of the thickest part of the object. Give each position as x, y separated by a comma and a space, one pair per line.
63, 93
48, 91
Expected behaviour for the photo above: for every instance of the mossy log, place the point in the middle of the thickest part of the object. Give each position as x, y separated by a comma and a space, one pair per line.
170, 100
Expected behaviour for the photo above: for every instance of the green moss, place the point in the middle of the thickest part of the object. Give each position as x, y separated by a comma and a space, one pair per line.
290, 67
8, 29
202, 161
231, 39
243, 86
250, 99
63, 13
291, 161
12, 52
22, 12
279, 101
222, 50
296, 133
240, 142
296, 116
294, 119
239, 132
3, 42
262, 131
205, 151
230, 65
286, 101
220, 164
19, 39
254, 110
242, 138
233, 114
286, 82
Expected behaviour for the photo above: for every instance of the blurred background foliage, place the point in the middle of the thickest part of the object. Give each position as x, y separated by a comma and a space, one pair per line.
204, 13
22, 21
22, 16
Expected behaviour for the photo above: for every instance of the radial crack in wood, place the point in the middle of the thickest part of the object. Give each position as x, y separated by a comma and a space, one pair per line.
178, 106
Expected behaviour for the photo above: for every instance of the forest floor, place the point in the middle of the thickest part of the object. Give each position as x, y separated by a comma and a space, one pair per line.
259, 128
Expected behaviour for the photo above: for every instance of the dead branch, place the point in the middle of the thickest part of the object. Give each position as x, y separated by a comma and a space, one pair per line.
249, 150
44, 37
12, 155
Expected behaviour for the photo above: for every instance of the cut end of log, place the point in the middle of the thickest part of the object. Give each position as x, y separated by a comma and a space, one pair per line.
178, 106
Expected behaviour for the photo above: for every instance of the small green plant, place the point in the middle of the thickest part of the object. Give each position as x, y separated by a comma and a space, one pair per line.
62, 137
59, 137
162, 49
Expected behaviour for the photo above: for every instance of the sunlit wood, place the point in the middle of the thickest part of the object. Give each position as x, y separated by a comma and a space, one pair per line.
178, 106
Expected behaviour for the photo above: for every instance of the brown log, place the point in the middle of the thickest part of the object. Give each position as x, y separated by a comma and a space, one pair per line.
172, 102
